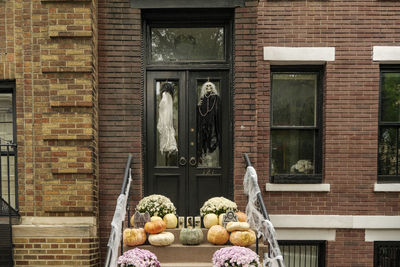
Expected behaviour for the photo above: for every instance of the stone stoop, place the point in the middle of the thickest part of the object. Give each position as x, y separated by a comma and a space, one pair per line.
179, 255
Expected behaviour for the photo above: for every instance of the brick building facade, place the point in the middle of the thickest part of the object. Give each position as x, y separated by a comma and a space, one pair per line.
79, 69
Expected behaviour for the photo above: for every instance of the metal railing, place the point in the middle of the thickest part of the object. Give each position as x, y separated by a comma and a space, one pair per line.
8, 199
118, 219
274, 246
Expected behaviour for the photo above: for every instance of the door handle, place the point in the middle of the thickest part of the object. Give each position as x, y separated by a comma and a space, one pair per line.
192, 161
182, 161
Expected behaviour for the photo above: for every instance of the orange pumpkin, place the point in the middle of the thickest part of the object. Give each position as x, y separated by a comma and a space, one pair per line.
217, 235
134, 237
243, 238
242, 217
155, 227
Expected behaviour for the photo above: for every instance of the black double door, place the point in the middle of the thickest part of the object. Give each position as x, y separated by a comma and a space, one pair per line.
188, 137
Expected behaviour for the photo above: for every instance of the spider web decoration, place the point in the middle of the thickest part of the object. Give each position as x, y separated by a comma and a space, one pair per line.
257, 221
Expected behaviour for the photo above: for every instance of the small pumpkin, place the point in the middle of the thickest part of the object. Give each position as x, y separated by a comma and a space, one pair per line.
192, 236
155, 218
237, 226
242, 217
243, 238
134, 237
170, 220
161, 239
155, 227
210, 220
221, 218
217, 235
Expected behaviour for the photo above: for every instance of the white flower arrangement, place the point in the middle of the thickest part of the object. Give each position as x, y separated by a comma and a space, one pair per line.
218, 205
302, 166
156, 205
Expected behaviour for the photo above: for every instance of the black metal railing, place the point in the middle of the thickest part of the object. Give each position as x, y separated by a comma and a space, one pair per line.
387, 254
8, 199
260, 202
124, 191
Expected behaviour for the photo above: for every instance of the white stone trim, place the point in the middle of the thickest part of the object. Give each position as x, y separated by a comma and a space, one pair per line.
335, 222
306, 234
297, 187
387, 187
382, 235
386, 54
54, 231
299, 55
54, 220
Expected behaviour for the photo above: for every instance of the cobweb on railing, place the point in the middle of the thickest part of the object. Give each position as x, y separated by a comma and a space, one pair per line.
257, 221
116, 224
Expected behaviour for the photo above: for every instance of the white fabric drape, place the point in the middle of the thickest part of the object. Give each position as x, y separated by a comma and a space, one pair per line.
116, 223
165, 125
257, 221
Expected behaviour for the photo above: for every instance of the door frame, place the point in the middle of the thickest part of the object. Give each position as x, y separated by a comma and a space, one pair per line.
189, 18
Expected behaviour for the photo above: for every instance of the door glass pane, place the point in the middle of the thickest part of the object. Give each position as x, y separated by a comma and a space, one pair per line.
390, 97
208, 123
167, 122
294, 99
184, 44
292, 152
387, 151
6, 117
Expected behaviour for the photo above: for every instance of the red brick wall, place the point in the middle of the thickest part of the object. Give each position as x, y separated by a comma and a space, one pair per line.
349, 249
120, 108
351, 96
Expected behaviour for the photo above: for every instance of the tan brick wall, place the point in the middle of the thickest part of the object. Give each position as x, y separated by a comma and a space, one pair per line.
41, 241
50, 49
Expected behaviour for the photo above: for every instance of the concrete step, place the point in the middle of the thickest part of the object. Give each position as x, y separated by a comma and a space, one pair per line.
177, 254
187, 264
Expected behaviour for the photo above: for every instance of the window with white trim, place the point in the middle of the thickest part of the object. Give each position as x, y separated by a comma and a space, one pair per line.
296, 125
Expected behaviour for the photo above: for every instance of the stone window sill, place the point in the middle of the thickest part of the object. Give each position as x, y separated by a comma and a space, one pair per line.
387, 187
297, 187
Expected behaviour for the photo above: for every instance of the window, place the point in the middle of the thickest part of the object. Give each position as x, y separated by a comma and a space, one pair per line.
7, 144
303, 253
389, 125
387, 254
296, 119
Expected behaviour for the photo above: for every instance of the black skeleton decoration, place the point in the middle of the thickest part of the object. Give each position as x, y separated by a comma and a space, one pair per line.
208, 120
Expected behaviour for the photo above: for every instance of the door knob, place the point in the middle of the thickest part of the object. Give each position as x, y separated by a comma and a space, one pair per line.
192, 161
182, 161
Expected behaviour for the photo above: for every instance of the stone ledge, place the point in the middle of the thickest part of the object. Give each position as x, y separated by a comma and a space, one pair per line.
387, 187
39, 220
54, 231
297, 187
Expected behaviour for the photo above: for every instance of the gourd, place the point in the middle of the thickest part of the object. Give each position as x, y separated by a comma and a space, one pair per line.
155, 227
170, 220
155, 218
217, 235
243, 238
242, 217
161, 239
191, 236
210, 220
221, 218
134, 237
237, 226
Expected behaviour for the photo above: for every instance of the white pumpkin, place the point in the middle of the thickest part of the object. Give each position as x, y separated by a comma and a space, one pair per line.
237, 226
171, 220
155, 218
210, 220
161, 239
